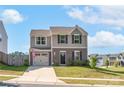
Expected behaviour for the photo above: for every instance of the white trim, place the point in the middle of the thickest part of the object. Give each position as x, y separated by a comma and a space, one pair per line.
75, 39
76, 51
62, 51
37, 50
69, 47
76, 34
63, 39
80, 30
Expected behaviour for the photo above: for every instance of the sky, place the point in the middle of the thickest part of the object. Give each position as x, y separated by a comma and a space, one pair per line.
104, 24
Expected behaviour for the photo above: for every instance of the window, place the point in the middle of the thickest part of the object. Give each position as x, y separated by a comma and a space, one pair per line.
77, 55
76, 38
43, 40
112, 58
40, 40
62, 38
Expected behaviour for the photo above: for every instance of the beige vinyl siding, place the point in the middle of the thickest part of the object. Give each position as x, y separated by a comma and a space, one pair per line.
69, 44
33, 43
4, 42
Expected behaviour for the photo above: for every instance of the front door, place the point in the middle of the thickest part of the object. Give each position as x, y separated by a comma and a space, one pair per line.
62, 57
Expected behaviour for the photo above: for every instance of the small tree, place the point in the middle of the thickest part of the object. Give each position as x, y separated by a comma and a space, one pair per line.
116, 63
107, 63
93, 62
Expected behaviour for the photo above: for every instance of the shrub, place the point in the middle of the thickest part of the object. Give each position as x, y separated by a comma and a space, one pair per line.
93, 62
26, 62
70, 63
107, 63
55, 64
78, 63
85, 63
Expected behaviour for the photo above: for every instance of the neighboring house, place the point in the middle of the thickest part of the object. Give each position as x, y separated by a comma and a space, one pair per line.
111, 57
58, 45
121, 57
100, 59
3, 43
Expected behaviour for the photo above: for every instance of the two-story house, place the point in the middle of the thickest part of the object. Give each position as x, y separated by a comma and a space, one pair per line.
58, 45
3, 43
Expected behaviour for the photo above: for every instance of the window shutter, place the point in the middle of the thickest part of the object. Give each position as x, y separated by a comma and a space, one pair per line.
66, 39
73, 55
80, 55
58, 38
72, 39
80, 39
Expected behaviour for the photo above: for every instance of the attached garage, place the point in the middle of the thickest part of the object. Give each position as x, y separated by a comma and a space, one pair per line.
41, 59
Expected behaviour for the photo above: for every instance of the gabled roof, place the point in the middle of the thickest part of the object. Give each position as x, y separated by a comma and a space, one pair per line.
40, 32
65, 30
55, 30
60, 30
114, 55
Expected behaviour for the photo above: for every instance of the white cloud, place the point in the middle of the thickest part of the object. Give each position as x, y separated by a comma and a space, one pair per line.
106, 39
108, 15
11, 16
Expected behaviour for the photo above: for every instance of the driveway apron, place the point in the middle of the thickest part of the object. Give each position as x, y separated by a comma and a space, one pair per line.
37, 74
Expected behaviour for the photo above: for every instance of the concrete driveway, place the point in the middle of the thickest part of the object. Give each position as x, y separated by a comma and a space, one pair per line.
38, 75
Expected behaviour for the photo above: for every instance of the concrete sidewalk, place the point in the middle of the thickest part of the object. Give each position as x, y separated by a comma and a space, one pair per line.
9, 75
104, 79
38, 74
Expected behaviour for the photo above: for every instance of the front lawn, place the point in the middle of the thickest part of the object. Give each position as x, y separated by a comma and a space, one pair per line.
93, 82
5, 78
86, 72
12, 70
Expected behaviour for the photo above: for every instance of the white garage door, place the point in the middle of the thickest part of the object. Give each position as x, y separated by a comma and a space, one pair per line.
41, 59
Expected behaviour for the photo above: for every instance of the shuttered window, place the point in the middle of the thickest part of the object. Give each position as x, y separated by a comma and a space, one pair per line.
76, 39
63, 39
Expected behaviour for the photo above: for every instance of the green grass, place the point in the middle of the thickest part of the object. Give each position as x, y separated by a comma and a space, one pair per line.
12, 70
5, 78
93, 82
86, 72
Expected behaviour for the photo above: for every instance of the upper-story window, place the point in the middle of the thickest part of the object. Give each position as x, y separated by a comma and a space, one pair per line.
40, 40
62, 38
76, 38
112, 58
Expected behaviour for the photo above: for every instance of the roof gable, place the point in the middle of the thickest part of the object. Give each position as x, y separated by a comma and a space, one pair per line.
79, 30
66, 30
